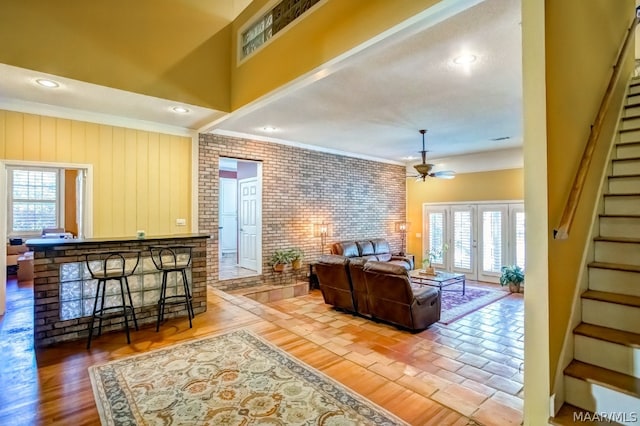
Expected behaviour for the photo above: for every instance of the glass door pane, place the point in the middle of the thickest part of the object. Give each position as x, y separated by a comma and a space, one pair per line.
463, 242
435, 234
516, 239
493, 241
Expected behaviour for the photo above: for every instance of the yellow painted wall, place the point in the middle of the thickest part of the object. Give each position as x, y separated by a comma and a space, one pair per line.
142, 180
333, 28
582, 40
177, 50
482, 186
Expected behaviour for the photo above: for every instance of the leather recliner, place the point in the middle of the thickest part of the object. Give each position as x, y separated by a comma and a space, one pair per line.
392, 297
335, 283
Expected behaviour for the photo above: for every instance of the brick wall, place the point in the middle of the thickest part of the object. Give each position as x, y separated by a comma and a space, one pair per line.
361, 198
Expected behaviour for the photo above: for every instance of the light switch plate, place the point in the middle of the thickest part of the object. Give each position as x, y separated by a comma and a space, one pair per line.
418, 235
181, 222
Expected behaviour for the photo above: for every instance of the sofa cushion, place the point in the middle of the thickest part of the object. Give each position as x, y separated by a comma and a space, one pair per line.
384, 257
386, 268
366, 248
346, 248
381, 246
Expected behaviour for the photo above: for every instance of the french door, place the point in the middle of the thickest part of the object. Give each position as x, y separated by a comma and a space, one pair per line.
479, 238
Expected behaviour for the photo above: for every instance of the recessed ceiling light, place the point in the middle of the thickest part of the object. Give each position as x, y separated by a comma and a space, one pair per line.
47, 83
465, 59
269, 129
409, 158
180, 110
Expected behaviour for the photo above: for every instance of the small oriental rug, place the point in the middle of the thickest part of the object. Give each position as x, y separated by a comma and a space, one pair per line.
235, 378
456, 306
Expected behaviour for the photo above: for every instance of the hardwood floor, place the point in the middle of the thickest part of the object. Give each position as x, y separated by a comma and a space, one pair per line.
465, 373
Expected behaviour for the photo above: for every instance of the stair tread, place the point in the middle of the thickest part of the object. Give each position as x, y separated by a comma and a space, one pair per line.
633, 105
615, 266
607, 334
618, 239
605, 296
567, 416
629, 130
602, 376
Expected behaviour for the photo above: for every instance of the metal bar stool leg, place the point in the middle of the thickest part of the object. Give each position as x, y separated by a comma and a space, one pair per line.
187, 297
104, 291
161, 301
124, 311
93, 316
133, 310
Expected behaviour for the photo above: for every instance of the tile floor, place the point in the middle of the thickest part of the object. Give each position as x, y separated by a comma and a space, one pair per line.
465, 373
229, 268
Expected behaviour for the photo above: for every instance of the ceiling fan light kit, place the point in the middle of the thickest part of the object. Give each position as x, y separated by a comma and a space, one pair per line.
425, 170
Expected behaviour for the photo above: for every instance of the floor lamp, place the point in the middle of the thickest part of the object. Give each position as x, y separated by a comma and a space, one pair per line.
402, 228
322, 230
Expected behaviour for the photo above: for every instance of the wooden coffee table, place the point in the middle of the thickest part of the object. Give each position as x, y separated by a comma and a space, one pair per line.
440, 280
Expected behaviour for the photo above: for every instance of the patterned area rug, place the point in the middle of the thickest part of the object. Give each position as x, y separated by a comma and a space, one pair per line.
456, 306
235, 378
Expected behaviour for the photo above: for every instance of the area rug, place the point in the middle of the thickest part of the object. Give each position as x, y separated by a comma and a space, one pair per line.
235, 378
455, 305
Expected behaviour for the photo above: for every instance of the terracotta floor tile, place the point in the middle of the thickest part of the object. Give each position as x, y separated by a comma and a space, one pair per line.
473, 360
418, 385
504, 384
500, 369
448, 375
468, 347
474, 373
492, 413
359, 359
459, 398
478, 387
448, 364
390, 372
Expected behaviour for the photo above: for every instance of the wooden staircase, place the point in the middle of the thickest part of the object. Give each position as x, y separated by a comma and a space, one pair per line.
604, 376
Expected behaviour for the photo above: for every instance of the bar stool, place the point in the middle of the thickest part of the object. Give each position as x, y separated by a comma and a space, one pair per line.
169, 259
112, 266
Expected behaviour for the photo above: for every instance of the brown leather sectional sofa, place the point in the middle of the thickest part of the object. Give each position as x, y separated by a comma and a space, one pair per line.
379, 290
375, 249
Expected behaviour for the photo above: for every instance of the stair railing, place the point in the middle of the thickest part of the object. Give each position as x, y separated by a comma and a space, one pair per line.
569, 213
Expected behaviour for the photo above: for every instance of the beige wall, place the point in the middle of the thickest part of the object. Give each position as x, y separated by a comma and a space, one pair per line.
581, 46
483, 186
177, 50
142, 180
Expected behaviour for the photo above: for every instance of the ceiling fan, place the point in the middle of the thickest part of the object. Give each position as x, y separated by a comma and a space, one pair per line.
426, 170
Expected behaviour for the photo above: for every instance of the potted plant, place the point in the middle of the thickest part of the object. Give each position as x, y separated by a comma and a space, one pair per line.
279, 259
296, 255
431, 256
513, 276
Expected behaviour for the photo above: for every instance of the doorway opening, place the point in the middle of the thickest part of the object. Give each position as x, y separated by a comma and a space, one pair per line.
240, 218
38, 197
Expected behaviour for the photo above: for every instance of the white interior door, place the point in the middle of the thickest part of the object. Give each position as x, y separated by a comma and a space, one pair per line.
228, 215
249, 221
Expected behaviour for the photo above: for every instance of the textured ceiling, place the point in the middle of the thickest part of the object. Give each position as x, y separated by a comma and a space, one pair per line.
377, 100
370, 104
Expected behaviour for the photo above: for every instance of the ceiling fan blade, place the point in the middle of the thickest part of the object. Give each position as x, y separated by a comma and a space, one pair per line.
444, 174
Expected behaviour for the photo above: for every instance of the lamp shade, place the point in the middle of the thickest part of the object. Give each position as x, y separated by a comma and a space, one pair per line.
322, 229
402, 226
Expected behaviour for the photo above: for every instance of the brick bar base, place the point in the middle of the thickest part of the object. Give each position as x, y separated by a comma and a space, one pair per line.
48, 256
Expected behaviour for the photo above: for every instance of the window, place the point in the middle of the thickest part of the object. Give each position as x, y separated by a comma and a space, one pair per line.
33, 200
276, 19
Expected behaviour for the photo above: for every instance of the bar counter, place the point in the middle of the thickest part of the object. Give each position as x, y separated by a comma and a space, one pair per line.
63, 290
